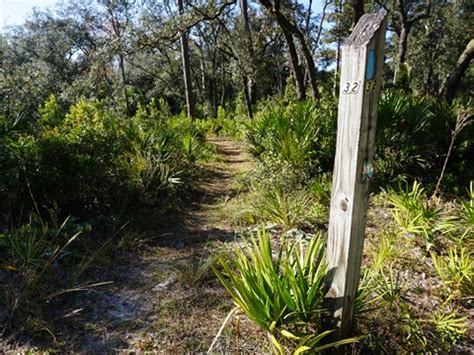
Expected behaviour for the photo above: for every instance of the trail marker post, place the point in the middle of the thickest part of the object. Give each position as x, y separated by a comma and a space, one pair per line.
361, 76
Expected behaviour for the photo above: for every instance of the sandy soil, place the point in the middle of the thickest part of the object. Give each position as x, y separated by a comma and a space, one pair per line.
158, 299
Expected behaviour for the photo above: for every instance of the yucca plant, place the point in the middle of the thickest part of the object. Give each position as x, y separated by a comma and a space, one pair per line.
192, 148
282, 291
36, 243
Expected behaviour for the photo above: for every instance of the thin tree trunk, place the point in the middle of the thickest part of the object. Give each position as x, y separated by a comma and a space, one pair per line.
251, 84
124, 82
213, 87
295, 67
450, 85
188, 87
248, 100
289, 29
402, 50
407, 19
310, 67
203, 71
223, 86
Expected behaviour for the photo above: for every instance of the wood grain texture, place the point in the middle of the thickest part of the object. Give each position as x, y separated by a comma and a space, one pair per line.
357, 116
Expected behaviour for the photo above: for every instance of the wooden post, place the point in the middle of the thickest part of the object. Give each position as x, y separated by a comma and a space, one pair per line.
361, 75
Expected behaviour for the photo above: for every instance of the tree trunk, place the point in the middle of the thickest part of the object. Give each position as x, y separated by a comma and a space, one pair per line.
295, 66
248, 100
251, 84
402, 50
124, 82
188, 86
358, 8
223, 86
289, 29
450, 86
310, 66
408, 18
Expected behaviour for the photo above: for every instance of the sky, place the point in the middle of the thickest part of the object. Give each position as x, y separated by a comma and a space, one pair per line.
14, 12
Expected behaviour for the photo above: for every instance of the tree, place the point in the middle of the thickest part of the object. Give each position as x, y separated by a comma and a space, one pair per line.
118, 16
405, 14
448, 90
188, 87
290, 30
358, 10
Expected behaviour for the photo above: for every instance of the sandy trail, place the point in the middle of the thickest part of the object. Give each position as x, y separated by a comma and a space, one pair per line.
155, 302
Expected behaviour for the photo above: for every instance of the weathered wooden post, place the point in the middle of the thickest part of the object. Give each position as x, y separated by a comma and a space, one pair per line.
361, 74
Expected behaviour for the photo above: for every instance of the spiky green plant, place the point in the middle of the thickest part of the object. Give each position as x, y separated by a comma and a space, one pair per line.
456, 270
449, 327
285, 209
282, 291
460, 224
414, 213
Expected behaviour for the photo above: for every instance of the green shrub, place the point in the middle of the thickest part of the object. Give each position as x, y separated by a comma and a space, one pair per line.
301, 134
413, 137
282, 291
92, 159
449, 328
456, 271
403, 136
459, 225
415, 214
287, 209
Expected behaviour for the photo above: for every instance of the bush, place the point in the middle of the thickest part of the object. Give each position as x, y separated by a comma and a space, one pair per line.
282, 291
301, 134
413, 137
415, 214
91, 159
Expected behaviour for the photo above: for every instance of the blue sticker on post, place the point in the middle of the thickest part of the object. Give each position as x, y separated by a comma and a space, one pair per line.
370, 72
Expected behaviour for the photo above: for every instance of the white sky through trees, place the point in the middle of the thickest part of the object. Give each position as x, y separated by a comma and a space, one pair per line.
14, 12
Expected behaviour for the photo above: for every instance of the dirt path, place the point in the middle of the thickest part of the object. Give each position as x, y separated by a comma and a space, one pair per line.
201, 219
162, 299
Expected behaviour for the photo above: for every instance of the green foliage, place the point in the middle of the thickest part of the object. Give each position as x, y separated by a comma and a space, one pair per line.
412, 134
459, 225
35, 253
402, 125
228, 124
414, 213
456, 270
280, 207
301, 134
94, 159
449, 327
282, 290
403, 77
51, 113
